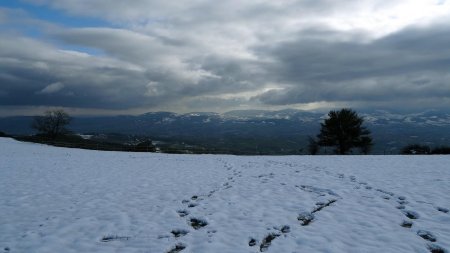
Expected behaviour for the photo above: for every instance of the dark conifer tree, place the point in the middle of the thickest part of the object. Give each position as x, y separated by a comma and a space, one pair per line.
343, 129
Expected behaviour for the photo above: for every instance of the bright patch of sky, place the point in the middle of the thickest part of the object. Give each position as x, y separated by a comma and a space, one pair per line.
41, 12
45, 13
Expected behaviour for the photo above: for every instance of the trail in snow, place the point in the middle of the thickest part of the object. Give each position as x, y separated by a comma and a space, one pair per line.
68, 200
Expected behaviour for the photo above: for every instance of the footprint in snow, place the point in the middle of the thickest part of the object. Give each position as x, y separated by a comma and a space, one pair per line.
109, 238
385, 192
427, 235
211, 232
305, 218
283, 229
402, 202
436, 249
179, 247
211, 193
411, 214
179, 232
267, 241
442, 209
406, 224
197, 223
182, 213
322, 205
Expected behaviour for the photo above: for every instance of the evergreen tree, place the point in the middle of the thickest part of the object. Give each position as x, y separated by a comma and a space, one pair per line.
343, 129
313, 146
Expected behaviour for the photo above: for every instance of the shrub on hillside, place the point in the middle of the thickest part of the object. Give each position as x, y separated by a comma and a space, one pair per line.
416, 149
146, 146
444, 150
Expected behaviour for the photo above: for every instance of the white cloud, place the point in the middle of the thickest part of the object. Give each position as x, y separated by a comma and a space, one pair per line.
52, 88
173, 54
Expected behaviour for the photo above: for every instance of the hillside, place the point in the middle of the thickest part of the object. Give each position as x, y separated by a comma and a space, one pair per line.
69, 200
257, 131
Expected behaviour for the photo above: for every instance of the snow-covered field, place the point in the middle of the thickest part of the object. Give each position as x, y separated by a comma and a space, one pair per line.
68, 200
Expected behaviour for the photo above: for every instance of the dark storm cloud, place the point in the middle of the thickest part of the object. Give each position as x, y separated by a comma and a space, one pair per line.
409, 64
142, 72
28, 69
203, 55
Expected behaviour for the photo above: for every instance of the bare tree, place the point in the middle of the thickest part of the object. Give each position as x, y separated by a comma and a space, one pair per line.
52, 124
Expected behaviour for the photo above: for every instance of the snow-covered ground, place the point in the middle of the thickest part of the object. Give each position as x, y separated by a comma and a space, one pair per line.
69, 200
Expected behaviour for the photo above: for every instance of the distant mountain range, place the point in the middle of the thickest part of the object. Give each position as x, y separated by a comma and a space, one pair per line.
275, 132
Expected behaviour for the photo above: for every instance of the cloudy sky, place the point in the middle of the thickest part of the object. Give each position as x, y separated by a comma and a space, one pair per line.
116, 57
